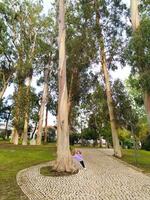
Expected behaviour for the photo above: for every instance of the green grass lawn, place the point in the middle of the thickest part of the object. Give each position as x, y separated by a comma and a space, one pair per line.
14, 158
143, 159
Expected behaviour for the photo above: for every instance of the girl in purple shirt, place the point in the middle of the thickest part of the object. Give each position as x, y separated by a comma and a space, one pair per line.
78, 156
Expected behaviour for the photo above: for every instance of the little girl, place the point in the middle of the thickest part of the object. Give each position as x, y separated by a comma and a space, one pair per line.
78, 156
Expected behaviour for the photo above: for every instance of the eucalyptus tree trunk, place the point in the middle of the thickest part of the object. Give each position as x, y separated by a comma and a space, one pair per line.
45, 129
70, 100
15, 133
27, 110
147, 106
15, 136
3, 91
116, 145
64, 160
4, 87
28, 86
6, 125
135, 19
43, 104
74, 74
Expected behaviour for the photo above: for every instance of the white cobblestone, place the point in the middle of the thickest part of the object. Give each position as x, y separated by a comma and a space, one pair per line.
106, 178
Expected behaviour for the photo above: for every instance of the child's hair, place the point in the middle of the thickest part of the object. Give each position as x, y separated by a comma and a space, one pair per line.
78, 151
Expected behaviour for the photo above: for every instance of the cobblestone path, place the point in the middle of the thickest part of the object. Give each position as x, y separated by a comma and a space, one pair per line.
106, 178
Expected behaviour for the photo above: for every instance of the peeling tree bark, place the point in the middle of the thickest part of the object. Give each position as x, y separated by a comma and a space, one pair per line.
116, 145
15, 134
3, 91
43, 104
26, 121
74, 74
135, 19
64, 160
147, 106
70, 100
28, 84
45, 129
4, 87
15, 137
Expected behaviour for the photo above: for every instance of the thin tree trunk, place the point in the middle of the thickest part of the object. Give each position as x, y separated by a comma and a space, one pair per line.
43, 103
3, 91
116, 145
4, 88
45, 129
26, 121
6, 82
117, 148
147, 105
64, 160
34, 131
135, 19
6, 126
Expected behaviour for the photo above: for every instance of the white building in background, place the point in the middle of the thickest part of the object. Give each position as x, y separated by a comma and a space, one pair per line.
3, 126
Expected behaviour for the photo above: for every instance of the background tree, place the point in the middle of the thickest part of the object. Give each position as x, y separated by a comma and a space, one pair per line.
109, 22
5, 115
46, 57
7, 67
81, 53
139, 48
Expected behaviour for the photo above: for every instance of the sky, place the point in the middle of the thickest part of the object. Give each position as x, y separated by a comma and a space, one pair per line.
121, 73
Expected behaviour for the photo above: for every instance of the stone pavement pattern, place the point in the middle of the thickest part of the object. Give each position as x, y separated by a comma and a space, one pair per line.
106, 178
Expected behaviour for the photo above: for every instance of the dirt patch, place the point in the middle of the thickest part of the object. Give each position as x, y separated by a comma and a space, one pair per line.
48, 171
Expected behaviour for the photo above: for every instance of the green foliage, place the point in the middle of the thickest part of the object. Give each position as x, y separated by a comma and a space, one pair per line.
98, 111
112, 23
6, 49
32, 38
5, 111
74, 138
146, 143
138, 53
89, 134
27, 25
18, 109
143, 129
135, 91
20, 100
125, 138
125, 113
144, 7
34, 106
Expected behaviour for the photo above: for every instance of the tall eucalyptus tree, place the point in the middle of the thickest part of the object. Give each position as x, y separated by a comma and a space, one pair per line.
109, 31
64, 160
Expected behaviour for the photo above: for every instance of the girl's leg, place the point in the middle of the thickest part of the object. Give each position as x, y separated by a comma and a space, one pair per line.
82, 163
